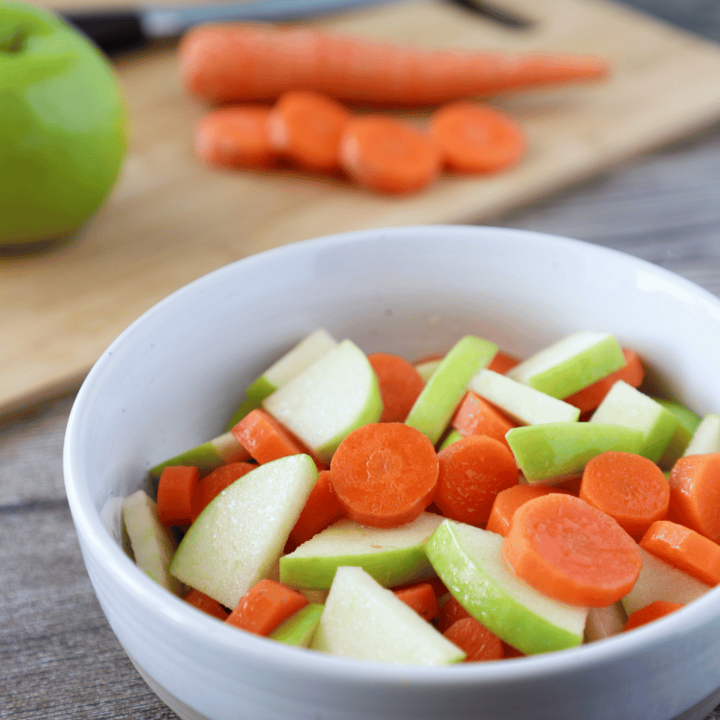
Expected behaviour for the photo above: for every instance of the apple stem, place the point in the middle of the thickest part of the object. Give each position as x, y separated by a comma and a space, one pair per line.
14, 42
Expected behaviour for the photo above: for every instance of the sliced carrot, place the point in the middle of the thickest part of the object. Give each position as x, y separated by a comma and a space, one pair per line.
213, 484
388, 155
510, 652
475, 138
649, 613
478, 643
685, 549
502, 362
235, 136
571, 551
590, 397
175, 493
628, 487
509, 500
264, 606
450, 612
473, 471
231, 62
400, 384
321, 509
695, 493
384, 474
207, 604
420, 597
476, 416
305, 127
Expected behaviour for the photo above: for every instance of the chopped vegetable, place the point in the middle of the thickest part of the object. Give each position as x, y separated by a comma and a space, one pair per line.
400, 384
651, 612
475, 640
695, 493
264, 606
176, 488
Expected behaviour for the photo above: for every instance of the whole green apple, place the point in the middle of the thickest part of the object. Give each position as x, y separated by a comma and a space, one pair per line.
63, 126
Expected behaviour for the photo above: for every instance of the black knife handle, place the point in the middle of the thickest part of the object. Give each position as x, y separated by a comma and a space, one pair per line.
112, 31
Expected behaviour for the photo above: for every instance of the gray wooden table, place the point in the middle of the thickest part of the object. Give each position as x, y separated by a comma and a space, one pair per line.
58, 657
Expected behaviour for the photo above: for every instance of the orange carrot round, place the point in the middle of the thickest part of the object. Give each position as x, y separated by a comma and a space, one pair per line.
388, 155
476, 416
476, 138
213, 484
384, 474
175, 494
321, 509
649, 613
450, 612
509, 500
478, 643
420, 597
305, 127
205, 603
400, 384
235, 137
571, 551
473, 471
628, 487
695, 493
685, 549
264, 606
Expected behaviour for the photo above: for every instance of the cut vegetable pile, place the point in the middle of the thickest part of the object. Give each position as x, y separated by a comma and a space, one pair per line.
467, 507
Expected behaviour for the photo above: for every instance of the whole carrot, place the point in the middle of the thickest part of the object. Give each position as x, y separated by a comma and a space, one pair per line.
231, 62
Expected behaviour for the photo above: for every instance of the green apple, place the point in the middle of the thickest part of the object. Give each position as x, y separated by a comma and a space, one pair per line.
523, 403
626, 405
706, 438
604, 622
571, 364
471, 563
299, 628
445, 388
152, 544
333, 396
688, 422
239, 537
63, 134
450, 438
659, 580
306, 352
365, 621
392, 556
555, 452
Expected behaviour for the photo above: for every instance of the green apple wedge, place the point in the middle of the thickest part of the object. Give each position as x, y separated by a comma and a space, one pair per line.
152, 544
626, 405
392, 556
524, 404
571, 364
706, 438
471, 563
553, 452
688, 422
446, 386
239, 537
335, 395
299, 629
365, 621
293, 362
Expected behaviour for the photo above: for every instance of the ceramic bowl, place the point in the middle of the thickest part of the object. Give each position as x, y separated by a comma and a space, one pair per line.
173, 378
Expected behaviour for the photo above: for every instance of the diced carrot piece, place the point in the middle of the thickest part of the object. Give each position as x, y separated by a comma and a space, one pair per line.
478, 643
649, 613
321, 509
207, 604
175, 493
476, 416
420, 597
264, 606
400, 384
695, 493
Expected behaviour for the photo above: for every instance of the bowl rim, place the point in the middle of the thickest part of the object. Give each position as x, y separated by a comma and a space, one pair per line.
203, 629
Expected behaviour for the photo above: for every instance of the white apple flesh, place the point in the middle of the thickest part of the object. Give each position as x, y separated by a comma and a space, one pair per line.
706, 438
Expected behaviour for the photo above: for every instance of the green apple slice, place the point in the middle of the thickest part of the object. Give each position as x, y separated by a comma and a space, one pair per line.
445, 388
626, 405
450, 438
571, 364
392, 556
365, 621
524, 404
292, 363
239, 537
471, 563
299, 628
555, 452
604, 622
152, 544
706, 438
329, 399
688, 423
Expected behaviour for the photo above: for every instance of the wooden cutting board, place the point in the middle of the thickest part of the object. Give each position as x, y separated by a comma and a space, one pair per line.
170, 220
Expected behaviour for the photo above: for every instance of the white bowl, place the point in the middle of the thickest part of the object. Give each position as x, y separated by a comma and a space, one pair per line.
172, 379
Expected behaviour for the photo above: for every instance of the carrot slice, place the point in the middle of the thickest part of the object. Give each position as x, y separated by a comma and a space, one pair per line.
685, 549
384, 474
209, 487
571, 551
509, 500
205, 603
175, 493
628, 487
264, 606
420, 597
305, 127
475, 138
478, 643
473, 471
400, 384
321, 509
388, 155
476, 416
502, 362
450, 612
235, 137
695, 493
649, 613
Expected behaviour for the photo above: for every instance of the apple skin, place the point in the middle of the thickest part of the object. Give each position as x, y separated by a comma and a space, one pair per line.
63, 126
